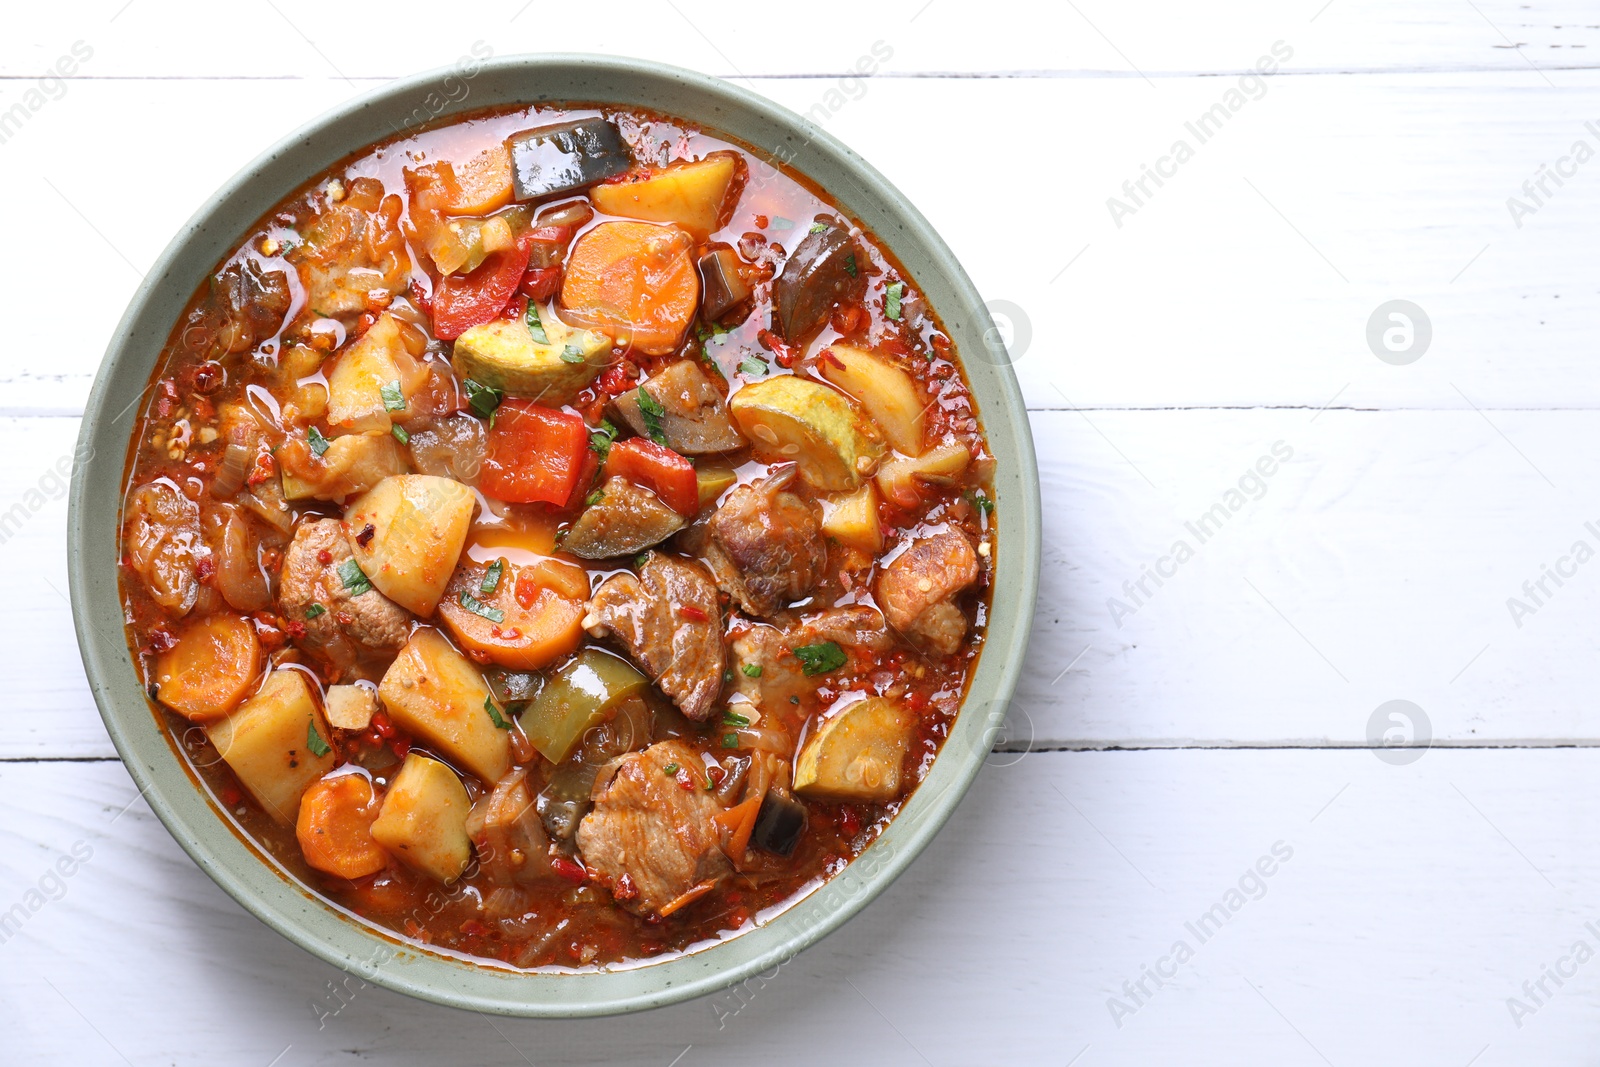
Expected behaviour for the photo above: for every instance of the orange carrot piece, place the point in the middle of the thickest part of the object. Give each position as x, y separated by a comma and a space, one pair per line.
209, 670
635, 282
335, 827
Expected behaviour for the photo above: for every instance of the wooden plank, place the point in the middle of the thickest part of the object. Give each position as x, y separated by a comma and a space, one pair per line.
1248, 279
1416, 899
1375, 565
298, 38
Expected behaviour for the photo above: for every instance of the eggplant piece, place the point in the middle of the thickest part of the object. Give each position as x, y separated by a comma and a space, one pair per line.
625, 520
779, 824
559, 159
722, 284
513, 687
824, 270
694, 418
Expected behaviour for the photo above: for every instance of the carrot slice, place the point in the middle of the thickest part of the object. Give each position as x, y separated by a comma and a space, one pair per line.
335, 827
739, 821
689, 897
635, 282
209, 670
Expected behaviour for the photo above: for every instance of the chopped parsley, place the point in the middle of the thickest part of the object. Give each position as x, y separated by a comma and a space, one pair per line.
535, 325
981, 501
751, 670
494, 712
733, 718
819, 227
477, 607
640, 559
316, 611
600, 439
400, 434
891, 300
820, 659
354, 578
393, 398
670, 769
319, 443
572, 352
595, 497
314, 740
794, 700
753, 367
730, 740
850, 264
651, 409
482, 399
491, 577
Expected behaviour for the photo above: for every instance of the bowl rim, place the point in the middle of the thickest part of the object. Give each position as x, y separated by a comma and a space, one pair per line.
204, 829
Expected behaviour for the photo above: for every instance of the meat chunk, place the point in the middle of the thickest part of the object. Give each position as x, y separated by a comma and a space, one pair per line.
765, 545
669, 619
694, 417
349, 624
653, 840
626, 519
771, 650
352, 248
917, 589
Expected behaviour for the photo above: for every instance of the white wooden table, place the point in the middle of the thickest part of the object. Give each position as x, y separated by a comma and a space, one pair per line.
1161, 748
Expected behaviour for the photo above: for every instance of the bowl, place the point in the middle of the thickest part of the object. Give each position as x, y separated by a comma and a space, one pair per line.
204, 829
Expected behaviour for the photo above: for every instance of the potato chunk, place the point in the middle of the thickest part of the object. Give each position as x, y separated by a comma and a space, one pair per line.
272, 743
355, 399
418, 526
352, 464
857, 754
853, 520
435, 692
693, 195
423, 821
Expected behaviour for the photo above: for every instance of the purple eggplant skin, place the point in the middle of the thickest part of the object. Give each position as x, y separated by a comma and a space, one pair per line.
779, 824
560, 159
724, 288
824, 270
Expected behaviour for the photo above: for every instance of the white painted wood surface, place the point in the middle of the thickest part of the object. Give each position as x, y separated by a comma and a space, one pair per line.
1161, 359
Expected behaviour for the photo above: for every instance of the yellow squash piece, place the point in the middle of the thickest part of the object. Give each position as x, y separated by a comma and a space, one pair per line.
797, 419
693, 195
583, 694
272, 742
503, 354
857, 754
352, 464
436, 693
712, 482
423, 821
419, 525
884, 391
355, 398
853, 520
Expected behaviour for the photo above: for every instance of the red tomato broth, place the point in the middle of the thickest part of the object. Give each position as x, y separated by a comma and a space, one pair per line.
183, 436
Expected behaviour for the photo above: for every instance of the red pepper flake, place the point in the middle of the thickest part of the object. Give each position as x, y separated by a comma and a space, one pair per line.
420, 296
206, 377
262, 470
850, 319
684, 779
849, 820
361, 539
205, 567
401, 745
381, 724
324, 557
692, 613
296, 629
230, 796
716, 774
575, 873
624, 889
162, 639
827, 356
204, 409
618, 378
917, 700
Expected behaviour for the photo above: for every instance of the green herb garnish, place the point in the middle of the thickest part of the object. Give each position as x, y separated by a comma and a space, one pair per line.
400, 434
572, 352
639, 560
850, 264
354, 578
753, 367
819, 227
393, 398
319, 443
820, 659
482, 399
316, 611
733, 718
595, 497
891, 300
314, 740
477, 607
535, 325
494, 714
670, 769
730, 740
652, 411
751, 670
981, 501
794, 700
491, 577
600, 439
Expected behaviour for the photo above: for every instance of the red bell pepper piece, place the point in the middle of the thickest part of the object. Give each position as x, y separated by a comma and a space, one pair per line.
535, 454
462, 301
659, 469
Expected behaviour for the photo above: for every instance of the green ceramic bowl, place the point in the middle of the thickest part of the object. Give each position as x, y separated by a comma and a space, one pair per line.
204, 828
